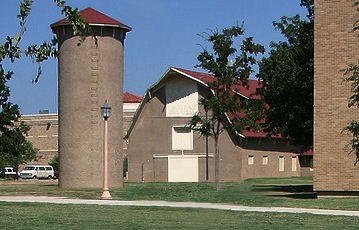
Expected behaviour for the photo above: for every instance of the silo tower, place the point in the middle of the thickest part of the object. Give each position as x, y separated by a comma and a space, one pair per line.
89, 74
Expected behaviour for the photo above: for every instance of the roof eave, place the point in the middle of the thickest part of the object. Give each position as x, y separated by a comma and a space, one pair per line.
145, 98
127, 28
189, 76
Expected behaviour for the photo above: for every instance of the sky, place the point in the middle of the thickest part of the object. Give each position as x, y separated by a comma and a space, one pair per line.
164, 33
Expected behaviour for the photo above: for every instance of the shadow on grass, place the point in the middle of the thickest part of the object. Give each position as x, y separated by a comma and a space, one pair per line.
291, 191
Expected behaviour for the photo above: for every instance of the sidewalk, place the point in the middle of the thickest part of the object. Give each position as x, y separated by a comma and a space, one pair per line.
61, 200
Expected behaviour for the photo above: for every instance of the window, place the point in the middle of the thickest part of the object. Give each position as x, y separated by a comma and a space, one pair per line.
281, 163
250, 160
265, 160
182, 138
294, 163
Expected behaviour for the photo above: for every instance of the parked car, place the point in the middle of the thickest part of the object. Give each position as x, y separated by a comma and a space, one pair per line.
37, 172
8, 172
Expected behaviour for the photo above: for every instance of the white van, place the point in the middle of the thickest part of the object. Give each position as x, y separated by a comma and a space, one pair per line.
37, 172
8, 172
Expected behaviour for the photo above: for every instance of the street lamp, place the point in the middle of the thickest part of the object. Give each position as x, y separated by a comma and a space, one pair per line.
106, 113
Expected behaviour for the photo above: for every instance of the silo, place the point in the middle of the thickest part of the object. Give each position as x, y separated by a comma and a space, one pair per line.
90, 73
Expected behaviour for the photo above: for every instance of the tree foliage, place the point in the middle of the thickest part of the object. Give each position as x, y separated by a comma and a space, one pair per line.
352, 76
288, 76
222, 99
14, 148
55, 163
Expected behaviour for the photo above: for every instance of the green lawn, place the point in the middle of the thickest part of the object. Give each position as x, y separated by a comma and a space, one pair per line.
253, 192
51, 216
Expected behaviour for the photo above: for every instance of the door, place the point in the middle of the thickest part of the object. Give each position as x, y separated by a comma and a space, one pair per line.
182, 168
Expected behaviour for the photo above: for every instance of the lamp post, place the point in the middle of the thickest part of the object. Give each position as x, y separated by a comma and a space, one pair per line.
106, 113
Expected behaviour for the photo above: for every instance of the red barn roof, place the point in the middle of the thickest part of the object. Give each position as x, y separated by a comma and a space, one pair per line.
94, 17
249, 90
204, 77
131, 98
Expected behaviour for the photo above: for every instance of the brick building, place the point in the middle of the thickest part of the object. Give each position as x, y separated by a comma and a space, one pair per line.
336, 46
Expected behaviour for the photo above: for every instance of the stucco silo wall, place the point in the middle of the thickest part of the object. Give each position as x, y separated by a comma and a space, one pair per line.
89, 74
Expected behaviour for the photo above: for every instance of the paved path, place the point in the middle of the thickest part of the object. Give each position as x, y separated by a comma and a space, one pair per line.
61, 200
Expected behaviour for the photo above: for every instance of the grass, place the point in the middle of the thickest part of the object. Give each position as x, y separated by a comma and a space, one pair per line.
253, 192
265, 192
54, 216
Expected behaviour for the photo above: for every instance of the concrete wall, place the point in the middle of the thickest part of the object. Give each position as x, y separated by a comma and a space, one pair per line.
335, 48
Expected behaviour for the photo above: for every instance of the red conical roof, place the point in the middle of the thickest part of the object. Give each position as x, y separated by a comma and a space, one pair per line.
94, 17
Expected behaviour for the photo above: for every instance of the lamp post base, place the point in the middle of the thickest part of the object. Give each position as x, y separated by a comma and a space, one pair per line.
106, 195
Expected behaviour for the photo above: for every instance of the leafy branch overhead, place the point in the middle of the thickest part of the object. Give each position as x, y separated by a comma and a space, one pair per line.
14, 148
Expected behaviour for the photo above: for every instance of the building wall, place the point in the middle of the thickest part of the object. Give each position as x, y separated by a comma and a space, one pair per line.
44, 132
335, 48
150, 147
129, 110
266, 154
43, 135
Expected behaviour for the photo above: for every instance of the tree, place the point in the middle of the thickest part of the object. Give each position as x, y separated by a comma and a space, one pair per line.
14, 148
55, 163
222, 99
352, 76
288, 77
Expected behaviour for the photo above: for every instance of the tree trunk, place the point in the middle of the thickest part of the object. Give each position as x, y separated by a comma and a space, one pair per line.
217, 178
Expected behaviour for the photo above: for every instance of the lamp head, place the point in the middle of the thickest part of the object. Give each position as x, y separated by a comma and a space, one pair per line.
106, 110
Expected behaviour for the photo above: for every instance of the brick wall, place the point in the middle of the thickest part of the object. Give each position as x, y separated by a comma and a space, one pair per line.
335, 47
43, 135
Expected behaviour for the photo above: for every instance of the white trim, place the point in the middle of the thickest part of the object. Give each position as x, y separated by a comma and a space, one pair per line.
294, 163
281, 164
199, 155
39, 114
189, 76
36, 120
236, 92
265, 160
250, 159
